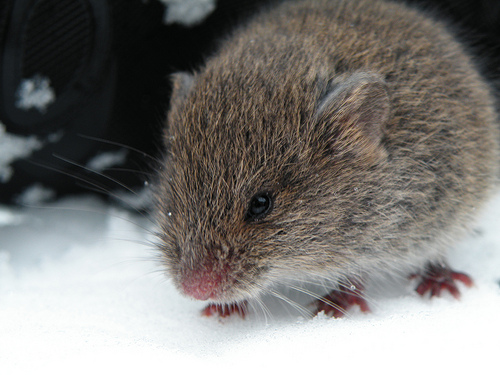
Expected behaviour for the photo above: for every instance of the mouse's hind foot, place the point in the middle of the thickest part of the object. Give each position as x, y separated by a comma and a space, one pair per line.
439, 277
339, 301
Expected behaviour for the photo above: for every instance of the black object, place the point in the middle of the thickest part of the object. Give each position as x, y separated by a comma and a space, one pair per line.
67, 41
73, 47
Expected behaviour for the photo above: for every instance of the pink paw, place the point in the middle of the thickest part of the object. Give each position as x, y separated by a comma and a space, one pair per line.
339, 301
437, 278
226, 310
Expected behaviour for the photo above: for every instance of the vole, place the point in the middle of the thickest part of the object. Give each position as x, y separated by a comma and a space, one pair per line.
324, 139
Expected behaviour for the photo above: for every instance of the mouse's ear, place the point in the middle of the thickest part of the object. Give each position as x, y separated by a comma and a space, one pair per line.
181, 85
352, 113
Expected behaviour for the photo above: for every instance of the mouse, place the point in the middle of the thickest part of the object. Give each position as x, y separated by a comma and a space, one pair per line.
324, 141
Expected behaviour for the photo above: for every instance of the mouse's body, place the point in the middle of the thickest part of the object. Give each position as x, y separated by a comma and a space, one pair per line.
325, 139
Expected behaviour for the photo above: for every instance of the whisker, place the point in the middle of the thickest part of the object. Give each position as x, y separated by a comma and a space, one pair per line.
130, 170
118, 144
144, 243
321, 298
90, 185
96, 172
123, 199
353, 288
88, 182
301, 309
265, 310
256, 300
79, 209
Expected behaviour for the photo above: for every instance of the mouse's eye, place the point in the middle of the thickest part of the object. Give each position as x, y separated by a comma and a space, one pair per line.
260, 205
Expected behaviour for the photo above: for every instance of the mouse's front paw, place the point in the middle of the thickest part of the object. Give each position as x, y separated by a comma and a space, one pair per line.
437, 277
225, 310
339, 301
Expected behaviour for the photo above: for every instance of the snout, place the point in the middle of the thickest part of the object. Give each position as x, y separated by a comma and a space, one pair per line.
209, 281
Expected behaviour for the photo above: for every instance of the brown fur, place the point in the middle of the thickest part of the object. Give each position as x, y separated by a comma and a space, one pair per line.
383, 174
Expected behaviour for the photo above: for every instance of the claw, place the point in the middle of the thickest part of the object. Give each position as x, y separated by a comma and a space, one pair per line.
338, 302
438, 278
225, 310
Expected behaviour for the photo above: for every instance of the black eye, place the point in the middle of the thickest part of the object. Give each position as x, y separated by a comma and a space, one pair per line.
260, 205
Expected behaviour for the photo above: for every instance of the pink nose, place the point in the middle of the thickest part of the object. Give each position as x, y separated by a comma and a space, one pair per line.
202, 284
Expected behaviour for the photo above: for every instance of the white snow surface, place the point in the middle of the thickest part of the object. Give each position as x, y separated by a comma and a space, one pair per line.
82, 291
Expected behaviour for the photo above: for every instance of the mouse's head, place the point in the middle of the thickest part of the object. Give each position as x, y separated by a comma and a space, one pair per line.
260, 181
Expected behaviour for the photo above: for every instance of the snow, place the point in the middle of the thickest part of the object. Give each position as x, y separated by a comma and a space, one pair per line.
187, 12
13, 147
35, 194
140, 199
81, 288
106, 160
35, 92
